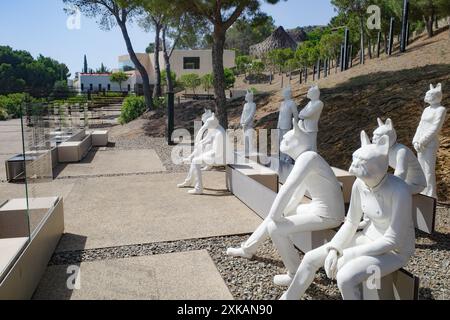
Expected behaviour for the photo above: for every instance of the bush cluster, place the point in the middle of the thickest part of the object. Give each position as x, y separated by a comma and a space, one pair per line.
133, 107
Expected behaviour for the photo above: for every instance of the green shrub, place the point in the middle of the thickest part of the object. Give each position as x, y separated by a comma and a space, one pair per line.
160, 102
132, 108
191, 81
3, 114
230, 78
12, 103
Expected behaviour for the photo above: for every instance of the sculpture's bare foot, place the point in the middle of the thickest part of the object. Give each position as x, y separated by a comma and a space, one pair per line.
207, 168
185, 184
283, 280
196, 191
238, 252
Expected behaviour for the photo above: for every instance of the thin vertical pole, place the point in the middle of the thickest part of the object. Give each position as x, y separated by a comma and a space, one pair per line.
314, 73
318, 69
170, 117
391, 36
350, 56
404, 26
346, 53
378, 44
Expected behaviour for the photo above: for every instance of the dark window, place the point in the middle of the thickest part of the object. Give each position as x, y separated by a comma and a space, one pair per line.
129, 87
109, 87
99, 87
82, 87
190, 63
91, 87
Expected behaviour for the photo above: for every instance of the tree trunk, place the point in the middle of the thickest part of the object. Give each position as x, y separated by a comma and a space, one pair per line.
157, 92
219, 76
429, 25
361, 30
138, 65
167, 62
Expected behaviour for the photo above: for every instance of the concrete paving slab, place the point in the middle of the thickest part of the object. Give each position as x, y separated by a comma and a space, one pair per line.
114, 162
115, 211
177, 276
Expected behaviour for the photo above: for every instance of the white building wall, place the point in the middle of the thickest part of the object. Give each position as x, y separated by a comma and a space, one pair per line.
98, 82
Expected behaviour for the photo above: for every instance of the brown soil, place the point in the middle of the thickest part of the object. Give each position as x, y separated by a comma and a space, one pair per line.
386, 87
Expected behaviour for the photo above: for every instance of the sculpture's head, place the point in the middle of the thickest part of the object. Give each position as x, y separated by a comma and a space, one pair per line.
212, 122
296, 141
249, 96
434, 96
314, 93
206, 115
385, 129
371, 161
287, 93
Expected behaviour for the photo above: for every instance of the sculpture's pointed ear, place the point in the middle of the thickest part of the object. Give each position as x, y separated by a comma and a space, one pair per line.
439, 87
380, 122
383, 144
365, 140
389, 123
431, 86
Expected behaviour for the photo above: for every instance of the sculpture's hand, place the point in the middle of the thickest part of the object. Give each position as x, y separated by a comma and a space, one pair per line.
331, 264
342, 261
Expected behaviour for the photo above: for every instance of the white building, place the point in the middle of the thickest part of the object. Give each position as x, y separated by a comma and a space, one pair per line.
181, 61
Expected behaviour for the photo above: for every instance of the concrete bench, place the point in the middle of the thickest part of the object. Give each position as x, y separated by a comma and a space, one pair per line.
99, 138
74, 151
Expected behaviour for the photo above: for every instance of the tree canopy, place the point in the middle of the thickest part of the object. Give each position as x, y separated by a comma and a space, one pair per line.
20, 72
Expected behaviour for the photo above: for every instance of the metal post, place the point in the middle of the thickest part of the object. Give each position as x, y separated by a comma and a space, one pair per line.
301, 74
325, 67
318, 69
341, 58
391, 36
404, 26
314, 73
378, 44
346, 40
306, 74
407, 33
170, 117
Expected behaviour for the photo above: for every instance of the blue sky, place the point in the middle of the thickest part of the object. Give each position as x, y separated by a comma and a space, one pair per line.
39, 26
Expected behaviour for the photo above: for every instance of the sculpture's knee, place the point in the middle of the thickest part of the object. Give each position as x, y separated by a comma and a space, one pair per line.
311, 261
346, 282
273, 228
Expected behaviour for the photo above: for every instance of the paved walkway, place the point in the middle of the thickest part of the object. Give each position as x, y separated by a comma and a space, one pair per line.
119, 198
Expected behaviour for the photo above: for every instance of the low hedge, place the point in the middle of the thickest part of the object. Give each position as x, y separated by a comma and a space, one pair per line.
132, 108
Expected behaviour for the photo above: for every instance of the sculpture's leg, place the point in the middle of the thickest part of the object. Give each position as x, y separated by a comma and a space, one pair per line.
305, 274
197, 172
189, 179
248, 249
281, 231
427, 160
366, 270
313, 137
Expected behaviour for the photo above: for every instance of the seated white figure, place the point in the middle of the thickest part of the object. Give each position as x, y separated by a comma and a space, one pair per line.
386, 243
199, 137
210, 151
310, 115
288, 214
401, 158
288, 110
426, 139
247, 118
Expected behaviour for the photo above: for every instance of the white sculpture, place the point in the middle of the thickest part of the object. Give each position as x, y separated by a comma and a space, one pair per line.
198, 138
310, 115
210, 151
288, 214
248, 115
426, 140
401, 158
386, 243
288, 110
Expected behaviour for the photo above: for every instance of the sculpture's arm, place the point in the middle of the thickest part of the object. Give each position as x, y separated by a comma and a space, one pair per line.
350, 227
400, 222
248, 121
402, 166
310, 110
294, 111
296, 178
434, 129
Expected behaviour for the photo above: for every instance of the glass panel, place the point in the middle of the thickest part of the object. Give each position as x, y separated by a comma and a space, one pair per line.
14, 222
